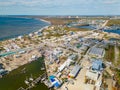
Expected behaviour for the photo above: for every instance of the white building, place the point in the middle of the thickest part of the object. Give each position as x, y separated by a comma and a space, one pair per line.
74, 71
92, 75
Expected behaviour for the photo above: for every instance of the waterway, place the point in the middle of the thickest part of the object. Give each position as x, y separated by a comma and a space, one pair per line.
15, 79
113, 31
86, 27
92, 27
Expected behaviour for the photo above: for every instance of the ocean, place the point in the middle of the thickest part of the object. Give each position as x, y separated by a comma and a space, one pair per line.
11, 27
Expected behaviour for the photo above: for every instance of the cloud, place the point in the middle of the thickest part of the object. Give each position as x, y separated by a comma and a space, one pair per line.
43, 2
6, 3
111, 1
60, 6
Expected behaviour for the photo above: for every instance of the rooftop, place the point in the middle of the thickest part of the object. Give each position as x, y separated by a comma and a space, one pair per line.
97, 65
96, 51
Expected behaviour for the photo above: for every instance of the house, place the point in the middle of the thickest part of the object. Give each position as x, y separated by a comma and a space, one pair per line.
65, 64
54, 81
3, 72
96, 52
72, 57
74, 71
97, 65
92, 75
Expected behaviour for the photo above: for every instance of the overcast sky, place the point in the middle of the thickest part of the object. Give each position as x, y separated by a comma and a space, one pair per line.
60, 7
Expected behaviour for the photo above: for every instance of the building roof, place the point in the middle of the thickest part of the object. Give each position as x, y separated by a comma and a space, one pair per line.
55, 82
75, 70
72, 57
96, 51
92, 75
97, 65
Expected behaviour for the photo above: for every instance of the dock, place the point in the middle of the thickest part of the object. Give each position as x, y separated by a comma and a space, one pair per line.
34, 82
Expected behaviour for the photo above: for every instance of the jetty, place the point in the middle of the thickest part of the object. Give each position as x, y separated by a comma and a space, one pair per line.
34, 82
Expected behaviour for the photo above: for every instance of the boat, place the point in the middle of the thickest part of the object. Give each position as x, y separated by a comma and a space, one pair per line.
31, 79
43, 68
26, 82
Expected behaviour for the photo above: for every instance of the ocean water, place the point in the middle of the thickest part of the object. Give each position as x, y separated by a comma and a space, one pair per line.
11, 27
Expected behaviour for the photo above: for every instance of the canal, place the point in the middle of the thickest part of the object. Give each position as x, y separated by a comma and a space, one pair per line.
15, 79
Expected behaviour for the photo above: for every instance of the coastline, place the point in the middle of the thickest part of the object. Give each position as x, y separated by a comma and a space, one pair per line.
50, 47
45, 21
24, 61
17, 35
16, 64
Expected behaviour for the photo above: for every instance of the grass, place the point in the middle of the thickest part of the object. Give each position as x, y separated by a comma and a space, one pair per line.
119, 56
64, 21
113, 22
60, 31
60, 21
109, 53
118, 75
75, 29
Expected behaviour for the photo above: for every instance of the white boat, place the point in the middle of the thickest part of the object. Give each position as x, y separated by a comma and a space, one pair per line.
26, 82
31, 79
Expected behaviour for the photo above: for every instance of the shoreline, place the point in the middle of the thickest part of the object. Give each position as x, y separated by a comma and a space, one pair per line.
25, 61
39, 30
45, 21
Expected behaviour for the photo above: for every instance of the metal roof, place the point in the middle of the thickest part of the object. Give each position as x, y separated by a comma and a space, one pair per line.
75, 70
96, 51
97, 65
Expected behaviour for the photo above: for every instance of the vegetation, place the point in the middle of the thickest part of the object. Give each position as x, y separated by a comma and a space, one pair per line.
113, 22
60, 31
64, 79
75, 29
106, 75
109, 53
118, 75
60, 21
64, 21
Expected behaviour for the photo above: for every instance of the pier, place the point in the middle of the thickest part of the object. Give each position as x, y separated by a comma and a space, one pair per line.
34, 82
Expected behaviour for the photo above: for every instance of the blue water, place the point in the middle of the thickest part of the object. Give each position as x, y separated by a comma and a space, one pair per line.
11, 27
86, 27
113, 31
91, 28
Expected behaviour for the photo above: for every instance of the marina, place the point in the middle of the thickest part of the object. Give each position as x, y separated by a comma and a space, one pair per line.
19, 75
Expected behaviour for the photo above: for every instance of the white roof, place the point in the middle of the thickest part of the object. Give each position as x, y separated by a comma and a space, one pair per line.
92, 75
75, 70
62, 66
66, 63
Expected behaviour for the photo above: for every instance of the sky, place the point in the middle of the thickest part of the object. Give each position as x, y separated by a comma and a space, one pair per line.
59, 7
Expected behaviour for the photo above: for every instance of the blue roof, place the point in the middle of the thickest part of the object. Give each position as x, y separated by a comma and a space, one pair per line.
51, 77
57, 84
97, 65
